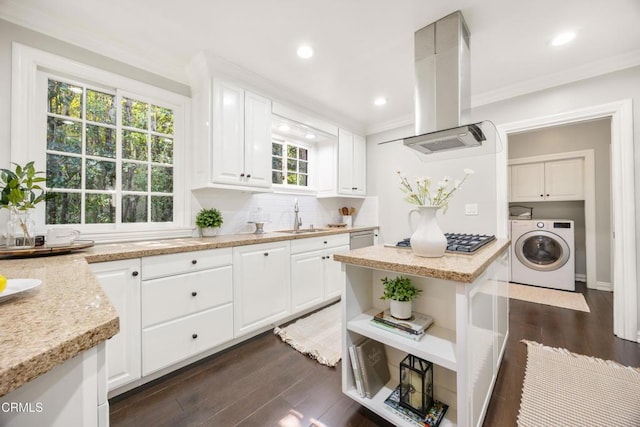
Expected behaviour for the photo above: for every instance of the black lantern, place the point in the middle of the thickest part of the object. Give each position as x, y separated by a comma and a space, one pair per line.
416, 384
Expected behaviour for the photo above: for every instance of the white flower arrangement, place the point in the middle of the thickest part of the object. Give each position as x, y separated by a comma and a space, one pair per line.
422, 195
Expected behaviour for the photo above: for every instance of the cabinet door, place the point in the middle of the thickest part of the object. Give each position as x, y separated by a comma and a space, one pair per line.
359, 165
334, 275
345, 162
121, 282
261, 291
307, 279
257, 134
228, 133
564, 180
527, 182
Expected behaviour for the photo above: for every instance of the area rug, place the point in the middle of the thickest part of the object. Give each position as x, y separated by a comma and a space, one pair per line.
567, 389
318, 335
554, 297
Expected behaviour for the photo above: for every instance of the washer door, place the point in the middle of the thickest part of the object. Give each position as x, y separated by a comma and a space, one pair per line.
542, 250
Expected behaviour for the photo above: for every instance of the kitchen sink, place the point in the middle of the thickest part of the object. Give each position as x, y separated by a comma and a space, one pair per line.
301, 231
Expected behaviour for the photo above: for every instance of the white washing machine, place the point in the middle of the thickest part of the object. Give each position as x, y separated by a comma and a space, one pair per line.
543, 253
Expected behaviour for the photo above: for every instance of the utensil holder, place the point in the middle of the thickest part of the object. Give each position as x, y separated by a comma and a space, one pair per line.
347, 219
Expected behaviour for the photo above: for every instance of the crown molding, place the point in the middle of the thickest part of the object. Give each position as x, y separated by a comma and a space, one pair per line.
398, 122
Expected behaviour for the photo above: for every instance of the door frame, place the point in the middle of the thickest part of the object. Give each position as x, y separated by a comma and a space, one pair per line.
624, 274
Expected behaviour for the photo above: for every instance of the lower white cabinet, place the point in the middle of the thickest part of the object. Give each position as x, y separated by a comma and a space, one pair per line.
315, 276
121, 282
261, 285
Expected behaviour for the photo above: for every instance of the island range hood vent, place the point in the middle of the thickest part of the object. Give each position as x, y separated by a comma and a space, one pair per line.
442, 88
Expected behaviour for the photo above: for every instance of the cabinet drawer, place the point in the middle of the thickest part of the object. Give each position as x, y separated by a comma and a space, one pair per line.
171, 342
171, 297
317, 243
166, 265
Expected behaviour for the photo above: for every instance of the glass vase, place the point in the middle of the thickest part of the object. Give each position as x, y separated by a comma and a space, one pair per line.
21, 230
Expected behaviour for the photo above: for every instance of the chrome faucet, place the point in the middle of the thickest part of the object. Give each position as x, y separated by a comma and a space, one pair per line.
297, 221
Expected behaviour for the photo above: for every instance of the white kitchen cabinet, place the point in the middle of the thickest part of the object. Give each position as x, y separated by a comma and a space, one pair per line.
121, 282
315, 276
241, 137
547, 181
261, 285
352, 159
187, 305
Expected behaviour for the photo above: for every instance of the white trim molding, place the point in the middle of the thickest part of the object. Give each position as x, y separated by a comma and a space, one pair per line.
624, 269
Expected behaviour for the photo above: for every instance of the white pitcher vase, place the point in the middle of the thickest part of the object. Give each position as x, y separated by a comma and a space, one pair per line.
427, 239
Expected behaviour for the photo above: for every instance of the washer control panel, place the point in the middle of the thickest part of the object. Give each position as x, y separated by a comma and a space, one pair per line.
540, 224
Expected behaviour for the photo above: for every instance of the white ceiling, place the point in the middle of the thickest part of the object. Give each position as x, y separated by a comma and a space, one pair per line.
364, 48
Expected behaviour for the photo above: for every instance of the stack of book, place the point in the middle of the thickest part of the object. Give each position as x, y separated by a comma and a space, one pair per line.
369, 364
432, 419
413, 328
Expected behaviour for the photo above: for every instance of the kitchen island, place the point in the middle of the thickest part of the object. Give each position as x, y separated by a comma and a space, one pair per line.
467, 297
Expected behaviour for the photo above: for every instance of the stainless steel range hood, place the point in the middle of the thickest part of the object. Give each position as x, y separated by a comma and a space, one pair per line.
442, 88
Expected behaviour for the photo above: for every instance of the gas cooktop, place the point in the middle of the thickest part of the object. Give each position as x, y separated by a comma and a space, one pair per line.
458, 242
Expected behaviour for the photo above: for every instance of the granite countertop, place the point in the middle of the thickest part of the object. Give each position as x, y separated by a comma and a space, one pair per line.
128, 250
48, 325
70, 313
456, 267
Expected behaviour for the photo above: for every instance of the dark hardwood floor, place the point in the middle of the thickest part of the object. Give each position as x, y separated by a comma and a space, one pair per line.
263, 382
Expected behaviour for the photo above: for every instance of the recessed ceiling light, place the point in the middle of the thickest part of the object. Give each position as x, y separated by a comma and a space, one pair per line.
310, 136
305, 52
284, 128
563, 38
381, 100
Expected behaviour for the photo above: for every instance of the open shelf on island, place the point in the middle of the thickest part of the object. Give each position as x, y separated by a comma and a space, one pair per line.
377, 402
437, 346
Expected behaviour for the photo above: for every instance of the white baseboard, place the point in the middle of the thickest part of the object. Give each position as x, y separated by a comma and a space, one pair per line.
604, 286
581, 278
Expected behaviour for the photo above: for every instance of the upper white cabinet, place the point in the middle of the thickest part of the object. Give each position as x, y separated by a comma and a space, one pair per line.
241, 137
120, 280
547, 181
352, 159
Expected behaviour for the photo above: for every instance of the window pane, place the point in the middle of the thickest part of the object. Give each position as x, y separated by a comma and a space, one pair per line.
134, 177
134, 113
161, 149
276, 149
292, 178
101, 107
134, 145
161, 208
99, 209
277, 177
134, 208
302, 166
64, 135
63, 171
303, 153
63, 208
302, 180
101, 141
64, 99
101, 175
161, 120
161, 179
292, 165
276, 163
292, 152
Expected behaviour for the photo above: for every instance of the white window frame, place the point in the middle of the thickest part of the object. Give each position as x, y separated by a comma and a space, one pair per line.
28, 135
311, 166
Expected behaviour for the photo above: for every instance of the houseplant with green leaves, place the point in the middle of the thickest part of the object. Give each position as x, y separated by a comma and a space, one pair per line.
401, 292
209, 221
21, 192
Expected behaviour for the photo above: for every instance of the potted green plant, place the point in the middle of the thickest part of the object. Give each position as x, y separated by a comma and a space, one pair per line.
21, 192
401, 292
209, 221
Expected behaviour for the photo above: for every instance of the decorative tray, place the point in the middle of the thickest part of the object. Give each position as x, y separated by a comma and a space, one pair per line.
337, 225
43, 250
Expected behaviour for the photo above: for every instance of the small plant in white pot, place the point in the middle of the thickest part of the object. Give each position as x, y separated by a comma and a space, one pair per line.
209, 222
401, 292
